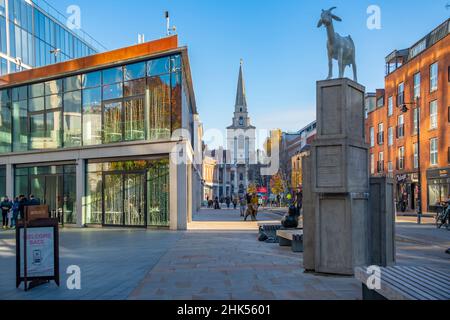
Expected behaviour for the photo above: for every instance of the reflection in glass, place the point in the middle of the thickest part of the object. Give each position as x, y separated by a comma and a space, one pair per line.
53, 87
69, 200
37, 90
158, 193
112, 91
92, 79
134, 199
36, 104
53, 101
20, 127
37, 131
112, 122
94, 198
53, 130
72, 83
113, 192
134, 88
5, 125
159, 113
135, 71
176, 101
134, 119
113, 75
92, 116
72, 119
158, 66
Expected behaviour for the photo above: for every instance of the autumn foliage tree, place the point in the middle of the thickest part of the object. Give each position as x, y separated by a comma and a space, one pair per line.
277, 184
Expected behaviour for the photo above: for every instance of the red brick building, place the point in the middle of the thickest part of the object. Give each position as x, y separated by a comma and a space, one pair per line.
417, 74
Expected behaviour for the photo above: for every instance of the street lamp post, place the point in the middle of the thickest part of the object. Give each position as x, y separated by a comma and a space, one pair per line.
419, 185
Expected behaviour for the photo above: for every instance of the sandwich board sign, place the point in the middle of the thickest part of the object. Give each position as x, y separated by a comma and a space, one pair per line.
37, 252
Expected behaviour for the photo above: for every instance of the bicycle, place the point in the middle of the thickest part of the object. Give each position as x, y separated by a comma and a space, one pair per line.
443, 216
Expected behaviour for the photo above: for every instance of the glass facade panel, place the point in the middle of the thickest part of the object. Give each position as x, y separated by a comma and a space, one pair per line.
94, 198
20, 127
53, 87
113, 199
134, 88
158, 66
113, 75
53, 101
112, 116
159, 108
53, 131
97, 107
92, 116
36, 90
158, 194
51, 185
36, 104
92, 79
136, 193
5, 122
72, 83
135, 71
72, 119
112, 91
134, 119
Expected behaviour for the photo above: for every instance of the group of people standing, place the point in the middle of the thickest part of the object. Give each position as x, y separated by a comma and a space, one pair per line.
13, 211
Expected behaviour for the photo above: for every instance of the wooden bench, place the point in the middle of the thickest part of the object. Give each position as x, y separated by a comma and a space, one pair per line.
291, 238
406, 283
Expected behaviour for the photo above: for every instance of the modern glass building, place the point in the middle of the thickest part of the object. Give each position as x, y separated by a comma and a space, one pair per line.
105, 140
31, 29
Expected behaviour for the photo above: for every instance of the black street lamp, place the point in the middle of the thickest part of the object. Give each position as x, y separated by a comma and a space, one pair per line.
405, 109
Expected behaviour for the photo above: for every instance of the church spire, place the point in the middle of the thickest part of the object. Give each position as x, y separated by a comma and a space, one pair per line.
241, 99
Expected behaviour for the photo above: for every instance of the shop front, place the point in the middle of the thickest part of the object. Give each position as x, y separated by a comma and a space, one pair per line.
53, 185
438, 182
128, 193
407, 192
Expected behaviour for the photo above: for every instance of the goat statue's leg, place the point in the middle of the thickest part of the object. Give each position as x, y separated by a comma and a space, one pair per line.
341, 63
355, 73
330, 66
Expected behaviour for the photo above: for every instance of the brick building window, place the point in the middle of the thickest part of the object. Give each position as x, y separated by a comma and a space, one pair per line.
401, 158
380, 162
390, 168
417, 85
434, 77
380, 137
390, 136
401, 126
401, 94
433, 114
372, 137
434, 152
390, 106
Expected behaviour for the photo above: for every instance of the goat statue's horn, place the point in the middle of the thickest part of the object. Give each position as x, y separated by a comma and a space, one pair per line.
332, 8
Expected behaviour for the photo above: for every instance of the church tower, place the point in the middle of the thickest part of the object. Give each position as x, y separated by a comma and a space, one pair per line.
241, 136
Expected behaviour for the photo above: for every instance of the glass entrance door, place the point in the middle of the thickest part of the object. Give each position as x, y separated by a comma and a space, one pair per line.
134, 199
53, 195
113, 200
124, 197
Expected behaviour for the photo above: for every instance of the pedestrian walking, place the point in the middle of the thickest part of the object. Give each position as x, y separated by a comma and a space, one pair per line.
228, 202
235, 203
15, 212
250, 208
5, 206
242, 206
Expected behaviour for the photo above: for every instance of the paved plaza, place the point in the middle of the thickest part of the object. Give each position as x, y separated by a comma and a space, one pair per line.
203, 264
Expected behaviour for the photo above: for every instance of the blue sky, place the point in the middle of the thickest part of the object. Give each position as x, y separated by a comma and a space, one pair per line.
283, 50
